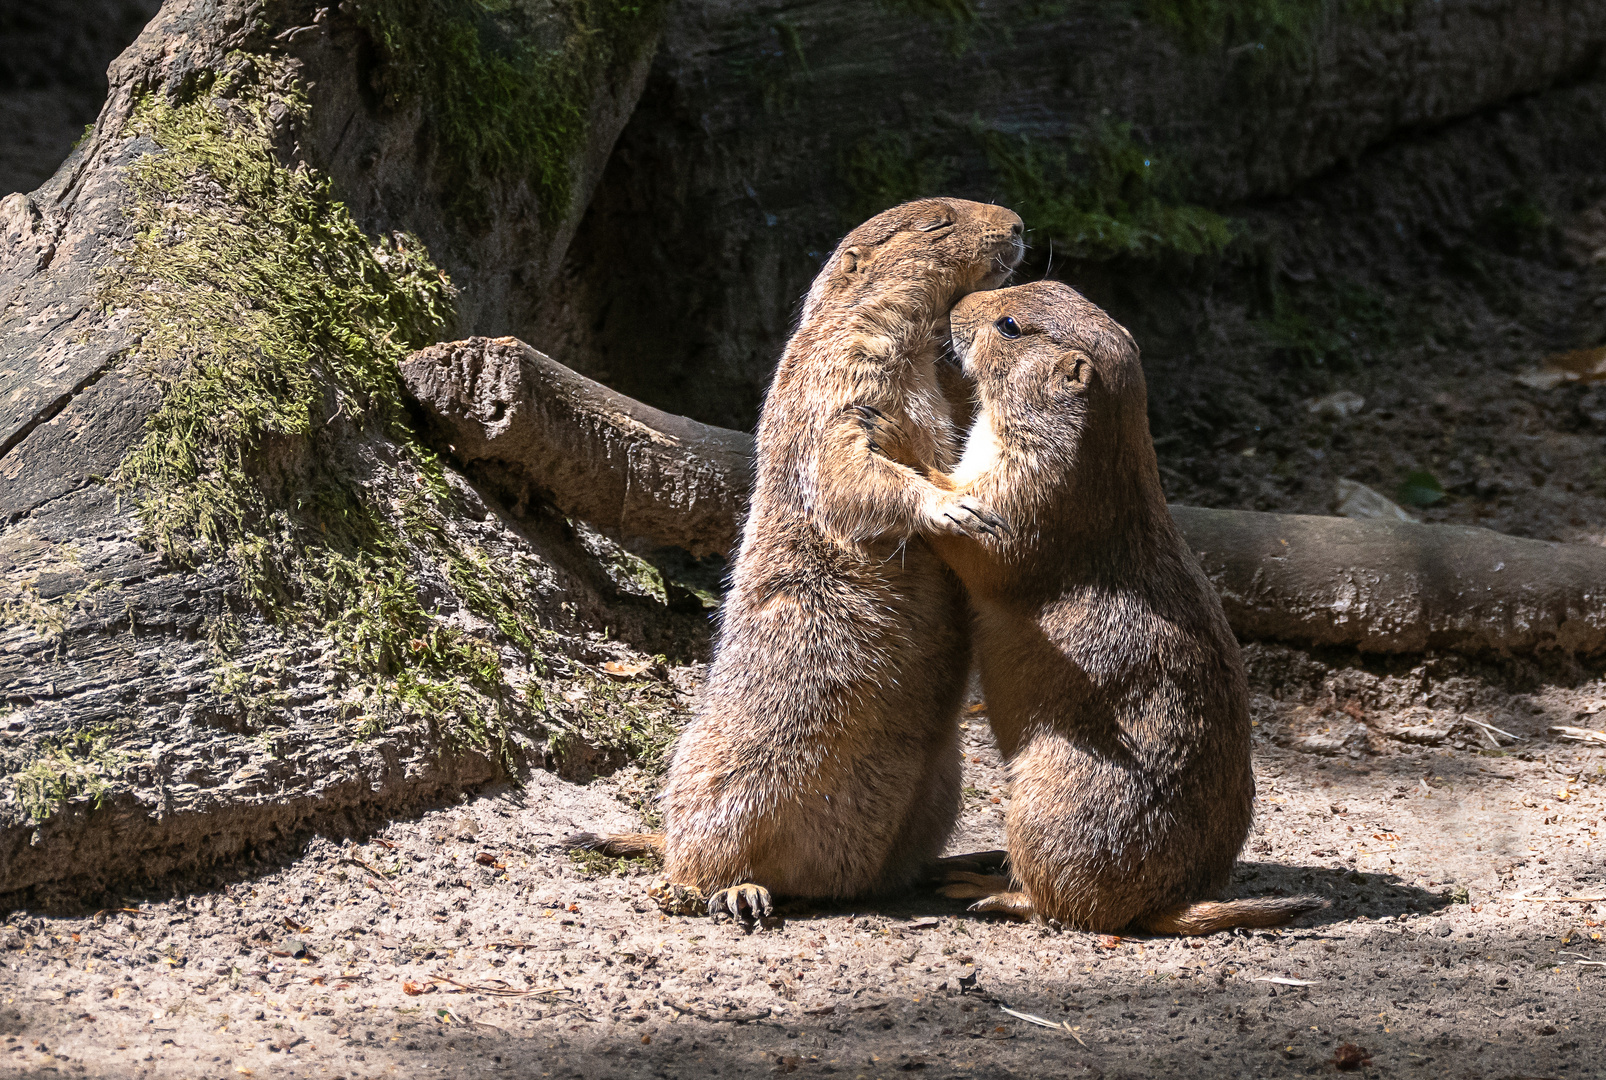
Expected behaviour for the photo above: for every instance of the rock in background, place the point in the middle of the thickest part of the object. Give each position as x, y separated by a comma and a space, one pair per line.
53, 77
1282, 199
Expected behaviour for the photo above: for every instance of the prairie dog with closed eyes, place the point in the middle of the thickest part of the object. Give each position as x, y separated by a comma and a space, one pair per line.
1114, 685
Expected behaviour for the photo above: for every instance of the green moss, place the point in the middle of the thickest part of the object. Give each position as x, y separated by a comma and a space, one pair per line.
505, 86
1330, 327
1106, 197
1516, 224
47, 618
891, 168
274, 327
626, 721
634, 576
1270, 28
58, 770
596, 864
957, 12
779, 71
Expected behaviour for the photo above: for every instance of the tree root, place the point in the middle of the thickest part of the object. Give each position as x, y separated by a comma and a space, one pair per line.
502, 408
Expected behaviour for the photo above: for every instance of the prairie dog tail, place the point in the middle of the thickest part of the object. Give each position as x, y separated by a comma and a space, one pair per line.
619, 845
1209, 916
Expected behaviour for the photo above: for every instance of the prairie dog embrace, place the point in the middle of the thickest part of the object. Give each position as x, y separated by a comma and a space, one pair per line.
1114, 686
823, 760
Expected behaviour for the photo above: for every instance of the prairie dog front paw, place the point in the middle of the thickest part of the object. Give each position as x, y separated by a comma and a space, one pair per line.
963, 515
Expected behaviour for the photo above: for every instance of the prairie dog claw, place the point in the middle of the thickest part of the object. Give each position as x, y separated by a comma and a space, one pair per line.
882, 432
965, 515
745, 901
1017, 905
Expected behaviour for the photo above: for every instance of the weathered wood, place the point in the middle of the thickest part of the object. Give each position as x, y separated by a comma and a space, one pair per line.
155, 718
1376, 586
632, 470
1396, 587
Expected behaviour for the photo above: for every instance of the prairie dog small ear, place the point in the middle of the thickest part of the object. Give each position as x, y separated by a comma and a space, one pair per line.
1076, 368
850, 260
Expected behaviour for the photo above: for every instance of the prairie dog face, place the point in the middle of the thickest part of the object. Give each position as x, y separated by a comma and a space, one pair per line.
1047, 347
944, 248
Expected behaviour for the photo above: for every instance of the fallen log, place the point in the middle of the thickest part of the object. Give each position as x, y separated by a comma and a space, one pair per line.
502, 408
1376, 586
1397, 587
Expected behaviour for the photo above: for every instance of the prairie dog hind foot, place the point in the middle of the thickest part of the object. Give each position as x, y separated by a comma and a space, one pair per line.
993, 893
745, 901
975, 862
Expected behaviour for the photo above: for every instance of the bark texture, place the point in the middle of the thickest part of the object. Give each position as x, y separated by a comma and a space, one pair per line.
1395, 587
1376, 586
161, 711
529, 425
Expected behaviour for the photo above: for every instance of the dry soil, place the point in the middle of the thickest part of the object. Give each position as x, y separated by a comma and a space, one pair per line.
466, 942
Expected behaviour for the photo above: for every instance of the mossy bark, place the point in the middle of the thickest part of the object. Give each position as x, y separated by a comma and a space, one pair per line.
239, 599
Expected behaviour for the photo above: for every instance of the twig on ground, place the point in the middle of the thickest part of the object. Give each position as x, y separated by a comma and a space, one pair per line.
714, 1018
1583, 963
1557, 899
1578, 733
504, 990
358, 862
1281, 981
1040, 1022
1490, 727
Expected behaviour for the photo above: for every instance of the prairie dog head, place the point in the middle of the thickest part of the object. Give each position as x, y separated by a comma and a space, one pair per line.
1061, 380
922, 255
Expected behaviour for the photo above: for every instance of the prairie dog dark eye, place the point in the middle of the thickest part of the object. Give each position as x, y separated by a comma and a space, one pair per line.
1008, 327
933, 226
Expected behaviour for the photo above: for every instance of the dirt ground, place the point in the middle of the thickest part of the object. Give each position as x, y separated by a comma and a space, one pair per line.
1418, 796
530, 964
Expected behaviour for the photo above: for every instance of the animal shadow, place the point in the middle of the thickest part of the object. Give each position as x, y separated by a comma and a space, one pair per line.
1349, 892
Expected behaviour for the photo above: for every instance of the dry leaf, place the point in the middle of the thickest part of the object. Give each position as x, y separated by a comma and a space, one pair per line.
1579, 365
1350, 1057
411, 989
626, 670
1109, 941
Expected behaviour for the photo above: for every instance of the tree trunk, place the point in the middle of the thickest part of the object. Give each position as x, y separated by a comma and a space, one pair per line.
239, 597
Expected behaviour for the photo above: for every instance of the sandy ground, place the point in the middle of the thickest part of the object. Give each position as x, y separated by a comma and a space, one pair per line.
465, 942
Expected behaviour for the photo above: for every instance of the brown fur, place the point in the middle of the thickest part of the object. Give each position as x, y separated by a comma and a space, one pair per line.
1113, 684
823, 760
